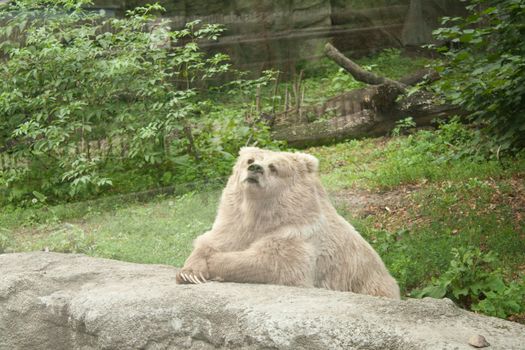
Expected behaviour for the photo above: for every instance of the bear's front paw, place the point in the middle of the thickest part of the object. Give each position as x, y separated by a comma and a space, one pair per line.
190, 276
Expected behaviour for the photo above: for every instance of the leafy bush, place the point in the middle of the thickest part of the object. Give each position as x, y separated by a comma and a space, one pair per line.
75, 78
474, 282
484, 68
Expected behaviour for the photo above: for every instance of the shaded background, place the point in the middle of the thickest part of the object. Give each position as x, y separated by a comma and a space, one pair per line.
264, 34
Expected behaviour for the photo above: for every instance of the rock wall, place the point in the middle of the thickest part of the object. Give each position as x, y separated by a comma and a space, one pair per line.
264, 34
60, 301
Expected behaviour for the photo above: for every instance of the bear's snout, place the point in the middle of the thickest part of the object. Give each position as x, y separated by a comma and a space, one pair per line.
256, 168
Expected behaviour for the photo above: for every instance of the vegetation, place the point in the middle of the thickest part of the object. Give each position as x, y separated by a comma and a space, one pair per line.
83, 107
160, 231
437, 216
324, 79
100, 120
138, 113
473, 281
484, 69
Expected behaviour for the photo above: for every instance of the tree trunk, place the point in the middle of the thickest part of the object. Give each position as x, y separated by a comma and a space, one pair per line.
416, 30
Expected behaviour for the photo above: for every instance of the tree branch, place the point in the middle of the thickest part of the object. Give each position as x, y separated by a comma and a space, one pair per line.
356, 71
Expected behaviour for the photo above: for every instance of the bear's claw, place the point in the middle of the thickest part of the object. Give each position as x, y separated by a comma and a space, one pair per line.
203, 279
191, 278
194, 279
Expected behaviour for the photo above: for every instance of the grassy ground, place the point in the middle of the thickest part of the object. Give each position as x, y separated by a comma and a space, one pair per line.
416, 207
157, 231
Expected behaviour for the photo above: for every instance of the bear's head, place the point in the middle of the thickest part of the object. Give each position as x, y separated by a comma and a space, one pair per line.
264, 173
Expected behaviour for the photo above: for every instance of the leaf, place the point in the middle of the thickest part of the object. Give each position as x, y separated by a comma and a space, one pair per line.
496, 283
460, 292
39, 196
181, 160
438, 292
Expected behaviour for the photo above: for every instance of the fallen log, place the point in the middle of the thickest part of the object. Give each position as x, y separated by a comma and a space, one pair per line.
365, 123
327, 131
367, 112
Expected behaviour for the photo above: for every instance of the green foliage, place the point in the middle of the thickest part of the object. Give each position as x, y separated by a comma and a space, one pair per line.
395, 253
503, 302
324, 79
451, 197
434, 219
392, 63
484, 68
473, 281
340, 82
403, 126
433, 156
74, 78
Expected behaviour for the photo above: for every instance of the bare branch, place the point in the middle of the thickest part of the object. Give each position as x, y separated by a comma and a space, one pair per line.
356, 71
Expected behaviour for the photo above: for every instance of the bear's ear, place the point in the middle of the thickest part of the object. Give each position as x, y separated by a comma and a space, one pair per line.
311, 163
246, 150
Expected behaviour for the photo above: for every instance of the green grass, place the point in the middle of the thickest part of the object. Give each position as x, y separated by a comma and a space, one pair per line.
427, 156
456, 214
457, 199
160, 231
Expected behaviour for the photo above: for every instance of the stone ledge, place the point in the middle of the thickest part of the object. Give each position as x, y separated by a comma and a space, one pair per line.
63, 301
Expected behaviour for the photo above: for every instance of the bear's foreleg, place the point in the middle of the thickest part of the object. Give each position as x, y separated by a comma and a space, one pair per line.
272, 260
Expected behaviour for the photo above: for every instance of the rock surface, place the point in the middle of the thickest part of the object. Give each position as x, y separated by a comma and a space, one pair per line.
60, 301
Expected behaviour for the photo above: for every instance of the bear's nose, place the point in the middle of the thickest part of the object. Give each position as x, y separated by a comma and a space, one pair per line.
256, 168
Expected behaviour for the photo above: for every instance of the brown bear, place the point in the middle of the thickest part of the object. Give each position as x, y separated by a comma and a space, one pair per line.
276, 225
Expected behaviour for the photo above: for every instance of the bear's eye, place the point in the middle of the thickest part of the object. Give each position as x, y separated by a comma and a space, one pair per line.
272, 168
250, 161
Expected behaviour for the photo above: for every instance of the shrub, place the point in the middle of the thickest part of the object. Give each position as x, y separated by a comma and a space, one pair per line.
75, 78
474, 282
484, 68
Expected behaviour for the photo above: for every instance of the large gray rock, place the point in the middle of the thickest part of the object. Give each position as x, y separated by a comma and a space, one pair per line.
58, 301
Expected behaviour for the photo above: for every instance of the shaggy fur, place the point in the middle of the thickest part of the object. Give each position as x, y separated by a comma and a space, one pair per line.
276, 225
